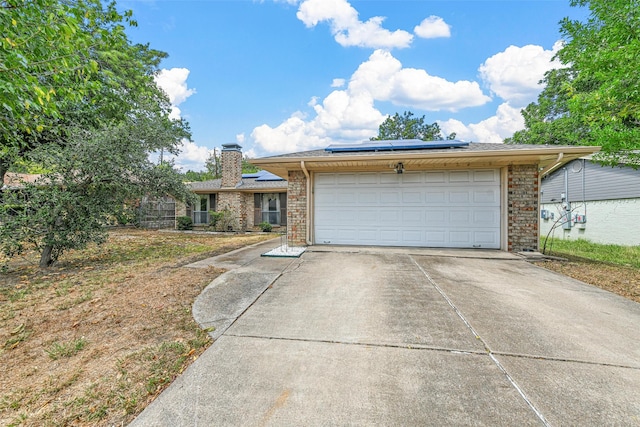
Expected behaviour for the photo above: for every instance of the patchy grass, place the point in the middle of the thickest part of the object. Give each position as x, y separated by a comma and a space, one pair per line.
94, 339
627, 256
611, 267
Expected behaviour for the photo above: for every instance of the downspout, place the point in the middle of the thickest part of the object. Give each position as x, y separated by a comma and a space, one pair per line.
307, 235
550, 169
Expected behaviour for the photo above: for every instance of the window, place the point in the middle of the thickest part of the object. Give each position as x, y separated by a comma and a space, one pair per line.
271, 208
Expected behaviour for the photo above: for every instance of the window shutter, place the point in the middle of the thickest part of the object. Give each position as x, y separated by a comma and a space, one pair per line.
257, 208
212, 202
283, 208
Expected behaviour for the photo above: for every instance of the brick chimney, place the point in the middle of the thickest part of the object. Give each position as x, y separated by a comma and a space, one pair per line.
231, 158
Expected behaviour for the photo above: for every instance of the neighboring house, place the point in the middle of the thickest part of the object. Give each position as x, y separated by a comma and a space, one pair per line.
252, 198
603, 203
447, 194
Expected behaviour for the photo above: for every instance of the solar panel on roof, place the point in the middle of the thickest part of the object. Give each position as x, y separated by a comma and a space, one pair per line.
395, 144
268, 176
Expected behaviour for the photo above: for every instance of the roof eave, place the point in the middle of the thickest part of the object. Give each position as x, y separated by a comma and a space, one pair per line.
544, 157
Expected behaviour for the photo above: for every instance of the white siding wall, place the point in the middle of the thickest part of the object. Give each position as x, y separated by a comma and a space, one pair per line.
608, 221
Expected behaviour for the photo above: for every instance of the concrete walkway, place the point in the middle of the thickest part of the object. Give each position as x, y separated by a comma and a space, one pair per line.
348, 336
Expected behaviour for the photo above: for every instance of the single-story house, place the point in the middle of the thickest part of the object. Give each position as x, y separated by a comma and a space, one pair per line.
446, 194
252, 198
584, 199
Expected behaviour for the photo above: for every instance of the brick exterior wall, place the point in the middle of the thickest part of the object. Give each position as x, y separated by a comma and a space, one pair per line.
297, 208
248, 210
235, 202
522, 204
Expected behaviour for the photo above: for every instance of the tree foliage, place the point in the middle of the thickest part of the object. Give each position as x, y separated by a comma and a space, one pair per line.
595, 99
69, 64
79, 101
409, 127
95, 180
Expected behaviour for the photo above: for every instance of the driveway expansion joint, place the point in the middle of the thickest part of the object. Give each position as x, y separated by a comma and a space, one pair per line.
365, 344
564, 359
459, 313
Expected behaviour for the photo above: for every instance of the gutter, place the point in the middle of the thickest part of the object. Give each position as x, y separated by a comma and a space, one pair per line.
552, 167
307, 235
426, 154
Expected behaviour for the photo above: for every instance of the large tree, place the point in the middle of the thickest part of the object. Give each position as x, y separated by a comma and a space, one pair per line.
406, 126
96, 179
65, 64
595, 98
80, 101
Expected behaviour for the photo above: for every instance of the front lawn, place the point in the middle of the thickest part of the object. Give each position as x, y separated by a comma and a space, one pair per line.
611, 267
94, 339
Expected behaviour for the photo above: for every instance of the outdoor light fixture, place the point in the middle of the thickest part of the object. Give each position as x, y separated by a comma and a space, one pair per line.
399, 168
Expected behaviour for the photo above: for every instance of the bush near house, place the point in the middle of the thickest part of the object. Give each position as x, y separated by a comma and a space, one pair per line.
184, 223
265, 226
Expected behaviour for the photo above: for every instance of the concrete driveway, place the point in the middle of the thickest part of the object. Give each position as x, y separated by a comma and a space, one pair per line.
343, 336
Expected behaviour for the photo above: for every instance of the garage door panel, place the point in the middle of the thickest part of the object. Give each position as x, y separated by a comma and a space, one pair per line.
411, 197
435, 177
412, 218
368, 198
434, 209
436, 217
390, 197
436, 238
435, 197
412, 178
486, 218
346, 178
486, 176
389, 178
368, 217
459, 197
459, 176
367, 178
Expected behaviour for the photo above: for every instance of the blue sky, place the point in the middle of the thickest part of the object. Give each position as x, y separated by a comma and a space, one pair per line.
280, 76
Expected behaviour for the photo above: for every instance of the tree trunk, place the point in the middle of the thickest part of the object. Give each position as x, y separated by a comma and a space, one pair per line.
4, 167
46, 258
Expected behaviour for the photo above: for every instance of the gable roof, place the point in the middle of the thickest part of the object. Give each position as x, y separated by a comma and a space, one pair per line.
548, 157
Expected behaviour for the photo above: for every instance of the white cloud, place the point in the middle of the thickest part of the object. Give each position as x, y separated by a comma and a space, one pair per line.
432, 27
240, 138
338, 82
347, 28
191, 157
350, 115
384, 77
515, 73
495, 129
174, 83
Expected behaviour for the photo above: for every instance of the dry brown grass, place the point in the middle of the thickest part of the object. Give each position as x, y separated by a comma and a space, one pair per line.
94, 339
621, 280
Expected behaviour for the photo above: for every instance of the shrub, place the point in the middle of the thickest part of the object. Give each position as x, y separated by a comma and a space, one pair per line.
265, 226
226, 221
214, 217
184, 223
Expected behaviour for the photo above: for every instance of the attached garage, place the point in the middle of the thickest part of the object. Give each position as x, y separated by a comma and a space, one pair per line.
441, 194
457, 209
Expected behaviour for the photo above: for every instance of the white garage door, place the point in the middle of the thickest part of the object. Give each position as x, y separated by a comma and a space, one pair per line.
446, 209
